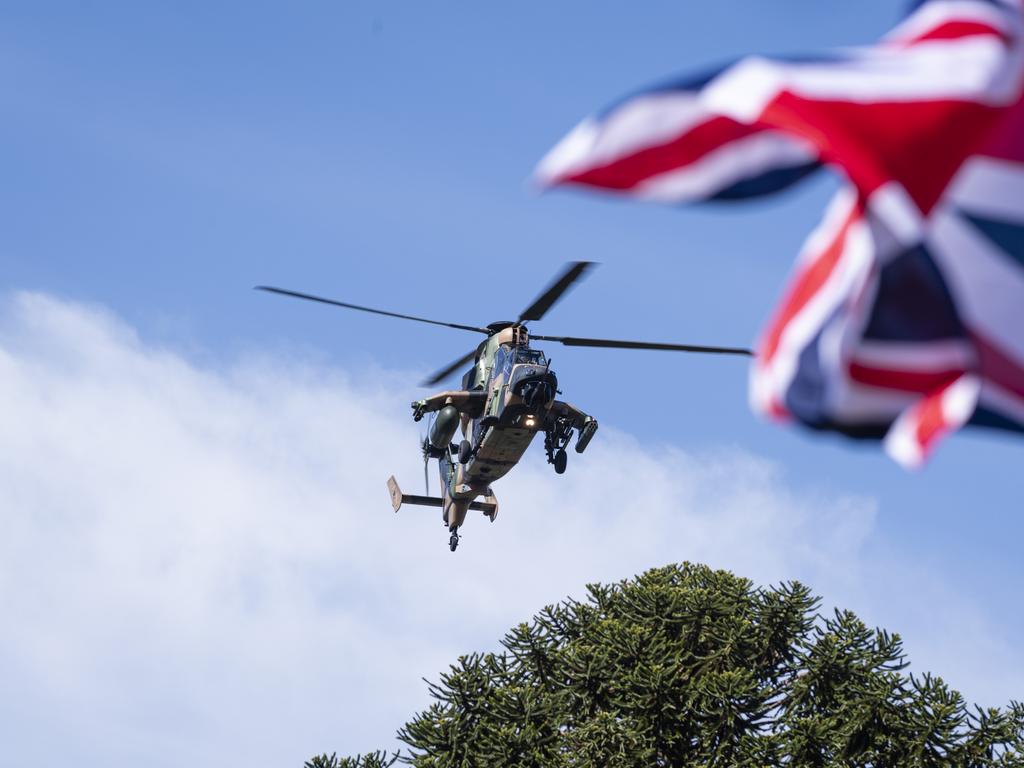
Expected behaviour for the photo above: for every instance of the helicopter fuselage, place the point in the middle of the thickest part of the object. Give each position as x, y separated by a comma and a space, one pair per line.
509, 396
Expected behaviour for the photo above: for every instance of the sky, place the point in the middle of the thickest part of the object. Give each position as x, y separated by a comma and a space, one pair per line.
198, 560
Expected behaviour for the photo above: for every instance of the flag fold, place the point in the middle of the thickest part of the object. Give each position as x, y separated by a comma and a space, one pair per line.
904, 316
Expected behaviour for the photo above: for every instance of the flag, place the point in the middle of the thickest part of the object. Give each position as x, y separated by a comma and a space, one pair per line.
904, 317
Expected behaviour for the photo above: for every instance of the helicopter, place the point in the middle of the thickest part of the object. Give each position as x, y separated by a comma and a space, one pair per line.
507, 397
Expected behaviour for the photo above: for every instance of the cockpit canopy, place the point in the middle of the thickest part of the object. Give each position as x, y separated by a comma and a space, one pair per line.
507, 356
526, 355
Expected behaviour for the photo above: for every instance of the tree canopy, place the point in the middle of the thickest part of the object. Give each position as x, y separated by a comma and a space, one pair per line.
689, 666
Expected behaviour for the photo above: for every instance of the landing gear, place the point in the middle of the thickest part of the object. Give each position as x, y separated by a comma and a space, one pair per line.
562, 422
465, 452
555, 440
453, 541
560, 460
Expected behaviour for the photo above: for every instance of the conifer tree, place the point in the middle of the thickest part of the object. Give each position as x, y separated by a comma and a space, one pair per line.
688, 666
371, 760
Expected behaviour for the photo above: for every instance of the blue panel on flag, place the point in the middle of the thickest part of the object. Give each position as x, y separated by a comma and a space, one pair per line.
913, 302
767, 183
931, 116
693, 83
678, 84
805, 397
986, 417
1009, 237
690, 82
915, 4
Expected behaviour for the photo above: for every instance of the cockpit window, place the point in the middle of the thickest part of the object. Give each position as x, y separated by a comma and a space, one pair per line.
505, 357
533, 356
502, 359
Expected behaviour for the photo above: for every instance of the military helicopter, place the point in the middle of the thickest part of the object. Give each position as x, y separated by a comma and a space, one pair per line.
507, 397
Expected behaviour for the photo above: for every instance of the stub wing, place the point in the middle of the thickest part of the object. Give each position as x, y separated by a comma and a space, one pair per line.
585, 425
468, 402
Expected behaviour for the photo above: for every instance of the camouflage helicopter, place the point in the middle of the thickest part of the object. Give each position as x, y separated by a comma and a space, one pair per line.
506, 398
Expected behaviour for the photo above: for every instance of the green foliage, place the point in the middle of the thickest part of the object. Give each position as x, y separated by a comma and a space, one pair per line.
687, 666
372, 760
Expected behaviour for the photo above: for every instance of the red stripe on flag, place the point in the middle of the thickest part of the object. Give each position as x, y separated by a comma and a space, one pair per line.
931, 422
920, 145
998, 366
777, 410
628, 171
915, 432
953, 30
804, 286
903, 380
1006, 141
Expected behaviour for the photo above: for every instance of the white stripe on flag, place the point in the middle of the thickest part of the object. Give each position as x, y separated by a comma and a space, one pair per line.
956, 404
987, 284
933, 15
970, 69
730, 164
1002, 401
856, 403
771, 379
644, 121
991, 188
919, 356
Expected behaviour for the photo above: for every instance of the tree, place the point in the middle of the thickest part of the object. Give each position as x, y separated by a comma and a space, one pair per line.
371, 760
688, 666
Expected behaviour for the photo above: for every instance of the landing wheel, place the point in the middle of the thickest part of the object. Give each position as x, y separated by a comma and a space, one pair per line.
561, 459
453, 542
465, 454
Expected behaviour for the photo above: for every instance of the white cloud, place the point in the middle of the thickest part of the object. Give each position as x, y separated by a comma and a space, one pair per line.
201, 565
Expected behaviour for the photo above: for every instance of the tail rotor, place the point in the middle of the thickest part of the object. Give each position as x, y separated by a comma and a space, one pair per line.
426, 461
425, 449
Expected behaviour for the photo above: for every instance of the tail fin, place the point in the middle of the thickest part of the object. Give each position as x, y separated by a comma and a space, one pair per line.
489, 506
398, 498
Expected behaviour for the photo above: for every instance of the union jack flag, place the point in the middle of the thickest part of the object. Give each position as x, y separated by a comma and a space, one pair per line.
904, 319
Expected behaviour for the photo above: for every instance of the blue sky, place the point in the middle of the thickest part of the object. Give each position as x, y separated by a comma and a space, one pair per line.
159, 162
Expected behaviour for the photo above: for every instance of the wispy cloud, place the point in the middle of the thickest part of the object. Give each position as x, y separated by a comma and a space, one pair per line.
200, 565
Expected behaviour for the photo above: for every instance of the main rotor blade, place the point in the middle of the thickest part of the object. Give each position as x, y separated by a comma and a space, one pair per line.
573, 272
572, 341
447, 371
310, 297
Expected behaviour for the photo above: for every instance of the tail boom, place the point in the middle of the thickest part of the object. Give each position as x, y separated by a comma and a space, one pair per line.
488, 507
